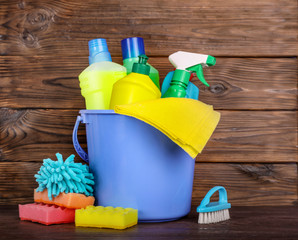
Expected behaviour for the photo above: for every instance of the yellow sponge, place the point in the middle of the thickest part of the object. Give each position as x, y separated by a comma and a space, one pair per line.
106, 217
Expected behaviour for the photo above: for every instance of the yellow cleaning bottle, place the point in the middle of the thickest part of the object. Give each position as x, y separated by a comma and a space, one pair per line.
136, 86
97, 80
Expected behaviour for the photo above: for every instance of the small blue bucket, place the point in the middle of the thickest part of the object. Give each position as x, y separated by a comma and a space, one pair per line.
136, 165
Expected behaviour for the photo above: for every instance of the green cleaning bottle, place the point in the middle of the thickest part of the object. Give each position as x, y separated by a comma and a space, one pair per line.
187, 63
136, 86
131, 49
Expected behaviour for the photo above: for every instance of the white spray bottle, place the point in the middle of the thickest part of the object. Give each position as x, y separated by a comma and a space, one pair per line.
186, 63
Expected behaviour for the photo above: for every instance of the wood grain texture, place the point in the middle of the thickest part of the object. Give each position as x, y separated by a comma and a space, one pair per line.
253, 136
241, 136
29, 135
230, 28
253, 152
236, 83
247, 184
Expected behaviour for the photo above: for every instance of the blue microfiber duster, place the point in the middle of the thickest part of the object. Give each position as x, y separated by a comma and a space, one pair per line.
69, 177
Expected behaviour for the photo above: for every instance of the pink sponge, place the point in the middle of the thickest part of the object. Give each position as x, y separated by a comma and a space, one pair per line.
46, 214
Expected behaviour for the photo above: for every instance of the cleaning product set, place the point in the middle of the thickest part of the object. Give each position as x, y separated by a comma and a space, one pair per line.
98, 79
141, 142
147, 140
104, 84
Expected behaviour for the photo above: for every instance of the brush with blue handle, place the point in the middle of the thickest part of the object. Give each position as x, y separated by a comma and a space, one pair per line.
213, 212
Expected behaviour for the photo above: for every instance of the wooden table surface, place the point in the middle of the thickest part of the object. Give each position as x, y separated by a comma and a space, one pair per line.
245, 223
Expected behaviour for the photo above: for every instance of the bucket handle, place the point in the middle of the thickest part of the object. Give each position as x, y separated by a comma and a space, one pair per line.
80, 151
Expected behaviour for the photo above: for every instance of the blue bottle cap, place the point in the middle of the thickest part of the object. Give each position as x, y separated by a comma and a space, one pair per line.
98, 51
132, 47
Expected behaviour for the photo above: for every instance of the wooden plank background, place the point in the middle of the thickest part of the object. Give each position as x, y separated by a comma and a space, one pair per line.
253, 152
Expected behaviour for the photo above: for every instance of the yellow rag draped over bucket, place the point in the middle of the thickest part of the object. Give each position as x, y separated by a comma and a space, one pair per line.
188, 122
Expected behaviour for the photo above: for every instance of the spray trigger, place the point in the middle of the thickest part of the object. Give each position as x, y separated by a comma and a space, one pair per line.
198, 69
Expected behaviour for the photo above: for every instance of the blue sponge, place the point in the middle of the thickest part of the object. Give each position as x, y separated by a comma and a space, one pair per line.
69, 177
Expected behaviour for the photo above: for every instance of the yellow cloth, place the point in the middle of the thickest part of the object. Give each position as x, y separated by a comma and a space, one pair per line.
188, 122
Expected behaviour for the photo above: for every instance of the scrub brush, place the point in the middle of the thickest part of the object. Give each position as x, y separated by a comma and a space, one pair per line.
215, 211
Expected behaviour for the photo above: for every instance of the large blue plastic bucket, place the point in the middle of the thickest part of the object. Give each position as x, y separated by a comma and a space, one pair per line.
136, 165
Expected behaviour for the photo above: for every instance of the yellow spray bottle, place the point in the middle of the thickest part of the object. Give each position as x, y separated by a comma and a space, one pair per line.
136, 86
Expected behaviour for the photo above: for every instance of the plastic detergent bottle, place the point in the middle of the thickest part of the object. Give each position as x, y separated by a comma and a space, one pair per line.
136, 86
132, 48
186, 63
192, 91
97, 80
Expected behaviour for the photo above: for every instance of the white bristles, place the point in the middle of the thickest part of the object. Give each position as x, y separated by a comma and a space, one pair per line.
214, 217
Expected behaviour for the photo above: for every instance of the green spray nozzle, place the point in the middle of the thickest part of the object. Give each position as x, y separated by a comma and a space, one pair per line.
198, 69
192, 62
141, 67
